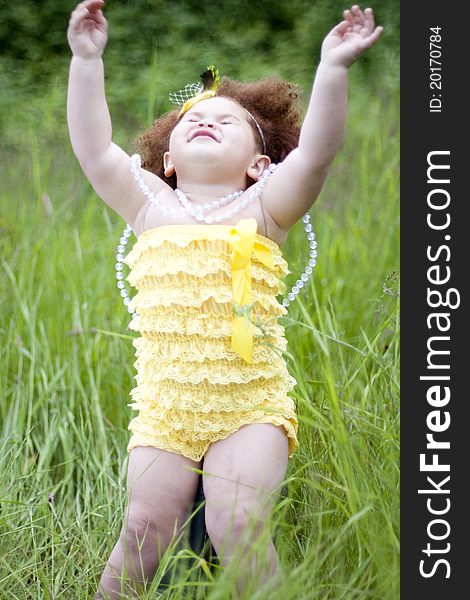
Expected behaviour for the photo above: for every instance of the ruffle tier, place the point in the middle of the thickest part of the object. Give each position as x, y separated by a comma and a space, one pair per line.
198, 348
214, 371
199, 241
175, 319
192, 387
157, 293
187, 264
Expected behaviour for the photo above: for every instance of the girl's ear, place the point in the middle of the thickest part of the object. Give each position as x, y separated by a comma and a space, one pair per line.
168, 167
258, 166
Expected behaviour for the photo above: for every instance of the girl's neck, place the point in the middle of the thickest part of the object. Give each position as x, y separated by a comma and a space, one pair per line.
204, 181
204, 192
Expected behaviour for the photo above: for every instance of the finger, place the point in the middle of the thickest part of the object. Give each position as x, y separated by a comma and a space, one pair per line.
90, 5
341, 28
95, 6
373, 37
102, 24
101, 19
347, 14
83, 18
358, 14
369, 22
77, 18
82, 13
363, 21
95, 17
357, 18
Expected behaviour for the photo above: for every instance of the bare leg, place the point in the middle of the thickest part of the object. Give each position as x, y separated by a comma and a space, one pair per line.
242, 478
160, 492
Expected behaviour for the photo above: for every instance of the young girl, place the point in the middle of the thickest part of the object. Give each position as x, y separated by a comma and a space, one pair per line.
210, 212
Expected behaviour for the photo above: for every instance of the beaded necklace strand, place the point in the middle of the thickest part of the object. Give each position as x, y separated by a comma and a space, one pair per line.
197, 213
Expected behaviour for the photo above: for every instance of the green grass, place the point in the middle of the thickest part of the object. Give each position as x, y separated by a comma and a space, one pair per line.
66, 372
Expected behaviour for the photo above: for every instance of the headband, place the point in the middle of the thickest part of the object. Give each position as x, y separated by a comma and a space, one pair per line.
192, 93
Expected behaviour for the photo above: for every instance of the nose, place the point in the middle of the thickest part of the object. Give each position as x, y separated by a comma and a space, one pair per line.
205, 123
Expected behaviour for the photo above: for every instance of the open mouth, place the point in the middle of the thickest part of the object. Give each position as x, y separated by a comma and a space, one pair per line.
203, 133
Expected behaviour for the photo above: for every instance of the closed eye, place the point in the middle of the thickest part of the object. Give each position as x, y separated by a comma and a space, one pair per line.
228, 119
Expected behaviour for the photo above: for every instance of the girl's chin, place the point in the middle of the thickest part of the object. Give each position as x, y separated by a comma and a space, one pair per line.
207, 156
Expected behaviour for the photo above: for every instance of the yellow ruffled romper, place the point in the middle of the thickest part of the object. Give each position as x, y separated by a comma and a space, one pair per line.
209, 358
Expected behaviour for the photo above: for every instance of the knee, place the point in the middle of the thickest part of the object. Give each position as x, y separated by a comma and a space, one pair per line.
143, 527
223, 523
137, 525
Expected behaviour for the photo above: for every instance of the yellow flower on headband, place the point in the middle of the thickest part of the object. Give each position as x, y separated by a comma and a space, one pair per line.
194, 100
210, 78
195, 92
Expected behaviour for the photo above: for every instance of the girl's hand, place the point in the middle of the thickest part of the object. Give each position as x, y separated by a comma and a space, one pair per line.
350, 38
87, 33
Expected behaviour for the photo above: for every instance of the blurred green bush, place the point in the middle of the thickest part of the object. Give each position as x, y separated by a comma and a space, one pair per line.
156, 46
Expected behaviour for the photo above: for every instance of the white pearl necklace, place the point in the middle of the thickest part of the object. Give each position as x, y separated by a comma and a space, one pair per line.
188, 208
198, 210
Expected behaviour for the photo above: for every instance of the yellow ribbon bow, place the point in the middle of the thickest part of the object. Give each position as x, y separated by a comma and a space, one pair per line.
194, 100
244, 243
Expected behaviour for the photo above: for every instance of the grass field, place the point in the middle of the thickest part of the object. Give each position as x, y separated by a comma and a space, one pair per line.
66, 372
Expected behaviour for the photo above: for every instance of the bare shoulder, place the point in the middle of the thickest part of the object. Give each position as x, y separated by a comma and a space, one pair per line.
112, 179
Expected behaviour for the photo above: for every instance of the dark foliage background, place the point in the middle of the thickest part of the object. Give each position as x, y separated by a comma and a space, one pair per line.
156, 46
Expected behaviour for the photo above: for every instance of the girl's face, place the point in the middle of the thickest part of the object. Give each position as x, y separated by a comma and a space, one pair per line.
213, 134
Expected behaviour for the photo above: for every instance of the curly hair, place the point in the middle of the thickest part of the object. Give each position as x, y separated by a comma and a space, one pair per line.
273, 102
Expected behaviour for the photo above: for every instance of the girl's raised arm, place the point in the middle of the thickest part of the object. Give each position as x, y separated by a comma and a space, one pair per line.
296, 184
104, 163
